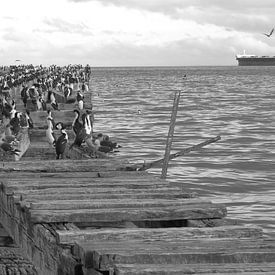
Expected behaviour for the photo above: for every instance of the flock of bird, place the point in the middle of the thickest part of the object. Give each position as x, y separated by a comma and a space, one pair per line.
82, 126
83, 132
13, 121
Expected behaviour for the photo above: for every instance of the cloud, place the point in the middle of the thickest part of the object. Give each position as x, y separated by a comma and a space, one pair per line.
60, 25
135, 32
250, 15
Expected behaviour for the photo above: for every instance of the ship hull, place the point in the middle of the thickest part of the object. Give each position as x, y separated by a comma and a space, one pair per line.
256, 61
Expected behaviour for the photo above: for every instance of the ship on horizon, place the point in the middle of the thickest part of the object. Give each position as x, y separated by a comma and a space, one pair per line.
255, 60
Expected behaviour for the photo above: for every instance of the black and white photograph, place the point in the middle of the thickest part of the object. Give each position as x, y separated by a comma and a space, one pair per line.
137, 137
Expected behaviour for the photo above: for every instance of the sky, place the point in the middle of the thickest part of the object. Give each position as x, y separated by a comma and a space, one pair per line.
134, 32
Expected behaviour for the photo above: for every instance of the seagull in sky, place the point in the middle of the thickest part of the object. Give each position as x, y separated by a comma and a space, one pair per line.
269, 34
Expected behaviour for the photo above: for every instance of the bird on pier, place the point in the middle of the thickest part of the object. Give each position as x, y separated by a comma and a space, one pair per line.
87, 122
49, 133
84, 132
76, 125
80, 100
67, 92
61, 142
15, 124
13, 109
49, 112
11, 139
269, 34
8, 147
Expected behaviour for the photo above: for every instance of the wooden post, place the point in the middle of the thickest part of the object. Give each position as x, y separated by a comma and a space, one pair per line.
170, 135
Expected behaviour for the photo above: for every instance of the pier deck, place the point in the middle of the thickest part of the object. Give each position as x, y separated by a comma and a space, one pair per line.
89, 216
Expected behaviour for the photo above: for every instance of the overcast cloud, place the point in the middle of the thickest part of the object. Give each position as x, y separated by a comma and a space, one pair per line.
135, 32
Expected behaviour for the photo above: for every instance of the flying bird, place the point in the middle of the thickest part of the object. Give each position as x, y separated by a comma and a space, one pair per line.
269, 34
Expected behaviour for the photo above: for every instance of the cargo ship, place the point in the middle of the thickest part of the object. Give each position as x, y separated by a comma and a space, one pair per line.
255, 60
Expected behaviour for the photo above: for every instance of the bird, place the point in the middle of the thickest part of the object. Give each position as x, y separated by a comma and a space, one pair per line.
13, 109
8, 147
84, 132
61, 143
67, 92
80, 100
87, 124
269, 34
29, 119
49, 132
15, 124
50, 117
81, 134
76, 125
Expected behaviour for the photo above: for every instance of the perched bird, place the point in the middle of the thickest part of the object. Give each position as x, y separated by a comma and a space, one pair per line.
29, 119
77, 125
13, 109
80, 100
15, 124
67, 92
54, 104
87, 123
269, 34
61, 142
10, 139
8, 147
50, 117
82, 133
49, 132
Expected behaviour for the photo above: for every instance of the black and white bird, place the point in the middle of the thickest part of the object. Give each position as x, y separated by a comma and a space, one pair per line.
61, 142
15, 124
67, 92
76, 125
8, 147
80, 100
87, 123
82, 134
49, 132
13, 109
269, 34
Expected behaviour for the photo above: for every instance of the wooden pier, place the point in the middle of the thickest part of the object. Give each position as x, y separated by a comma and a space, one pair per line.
90, 216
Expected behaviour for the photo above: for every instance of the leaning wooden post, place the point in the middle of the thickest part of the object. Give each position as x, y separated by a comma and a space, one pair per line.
169, 139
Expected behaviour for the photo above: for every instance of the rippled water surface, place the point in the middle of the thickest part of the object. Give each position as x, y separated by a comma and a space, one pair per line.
237, 103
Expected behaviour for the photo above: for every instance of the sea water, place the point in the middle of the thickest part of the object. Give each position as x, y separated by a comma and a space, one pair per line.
133, 106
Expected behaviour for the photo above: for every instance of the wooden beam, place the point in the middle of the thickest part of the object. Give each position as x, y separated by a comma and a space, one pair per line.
169, 139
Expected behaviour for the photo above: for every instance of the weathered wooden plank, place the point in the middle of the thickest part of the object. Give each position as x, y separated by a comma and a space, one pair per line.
91, 165
145, 180
40, 184
221, 269
132, 214
84, 174
151, 234
112, 204
102, 190
132, 194
104, 255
